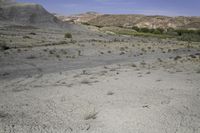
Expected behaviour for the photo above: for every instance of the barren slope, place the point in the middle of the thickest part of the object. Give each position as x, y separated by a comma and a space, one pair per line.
79, 18
146, 21
26, 13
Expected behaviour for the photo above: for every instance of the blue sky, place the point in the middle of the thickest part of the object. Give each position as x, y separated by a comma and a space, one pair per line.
147, 7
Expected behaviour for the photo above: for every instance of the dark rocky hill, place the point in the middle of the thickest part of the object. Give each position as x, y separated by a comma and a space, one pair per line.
26, 13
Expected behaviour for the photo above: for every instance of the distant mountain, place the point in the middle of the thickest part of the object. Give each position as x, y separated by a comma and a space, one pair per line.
78, 18
26, 13
143, 21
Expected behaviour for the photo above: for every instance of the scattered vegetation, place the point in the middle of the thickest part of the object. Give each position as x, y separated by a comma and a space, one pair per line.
133, 65
31, 57
91, 115
85, 81
56, 43
110, 93
189, 37
3, 114
3, 46
159, 60
138, 32
146, 30
26, 27
84, 72
32, 33
52, 51
26, 37
85, 23
148, 72
180, 34
122, 53
109, 52
177, 57
101, 52
198, 71
99, 26
68, 35
57, 56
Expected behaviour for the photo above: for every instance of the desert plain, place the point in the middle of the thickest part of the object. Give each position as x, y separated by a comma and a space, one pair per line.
80, 78
97, 83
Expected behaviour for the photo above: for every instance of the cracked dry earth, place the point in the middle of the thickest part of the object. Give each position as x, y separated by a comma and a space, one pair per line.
100, 91
109, 99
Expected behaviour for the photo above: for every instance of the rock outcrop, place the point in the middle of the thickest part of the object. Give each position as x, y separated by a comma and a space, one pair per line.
143, 21
26, 13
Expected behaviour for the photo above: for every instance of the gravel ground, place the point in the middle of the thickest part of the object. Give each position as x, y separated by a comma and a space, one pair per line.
97, 83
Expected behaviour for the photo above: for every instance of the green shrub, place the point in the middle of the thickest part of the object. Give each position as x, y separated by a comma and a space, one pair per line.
160, 30
185, 31
156, 32
198, 32
85, 23
68, 35
189, 37
136, 28
181, 34
198, 71
26, 37
3, 46
171, 31
32, 33
145, 30
151, 30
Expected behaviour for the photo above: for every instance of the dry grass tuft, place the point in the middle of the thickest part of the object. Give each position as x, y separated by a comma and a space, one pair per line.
91, 115
198, 71
110, 93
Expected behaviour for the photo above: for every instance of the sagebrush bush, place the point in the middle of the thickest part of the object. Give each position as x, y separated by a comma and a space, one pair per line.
26, 37
32, 33
198, 71
190, 37
3, 45
68, 35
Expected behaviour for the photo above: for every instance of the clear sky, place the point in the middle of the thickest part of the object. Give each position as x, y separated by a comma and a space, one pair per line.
148, 7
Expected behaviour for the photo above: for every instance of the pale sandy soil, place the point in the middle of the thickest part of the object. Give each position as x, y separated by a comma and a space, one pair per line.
109, 99
130, 85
